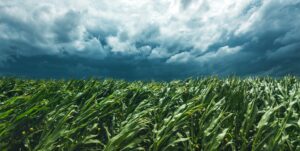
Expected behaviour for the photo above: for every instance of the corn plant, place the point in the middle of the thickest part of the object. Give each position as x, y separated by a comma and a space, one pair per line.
114, 115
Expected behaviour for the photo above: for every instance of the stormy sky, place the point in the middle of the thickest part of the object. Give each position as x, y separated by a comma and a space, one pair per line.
149, 39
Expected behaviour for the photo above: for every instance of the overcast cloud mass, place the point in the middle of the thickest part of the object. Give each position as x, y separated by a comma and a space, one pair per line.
149, 39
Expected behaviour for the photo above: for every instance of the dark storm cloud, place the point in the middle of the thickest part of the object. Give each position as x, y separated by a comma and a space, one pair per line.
150, 39
48, 66
274, 40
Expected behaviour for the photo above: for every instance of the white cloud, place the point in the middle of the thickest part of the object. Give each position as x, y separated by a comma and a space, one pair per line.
117, 45
158, 53
219, 54
182, 57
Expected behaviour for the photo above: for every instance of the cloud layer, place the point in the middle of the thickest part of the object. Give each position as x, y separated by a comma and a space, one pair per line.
149, 39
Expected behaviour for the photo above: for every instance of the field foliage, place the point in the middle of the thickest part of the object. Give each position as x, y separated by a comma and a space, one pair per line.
114, 115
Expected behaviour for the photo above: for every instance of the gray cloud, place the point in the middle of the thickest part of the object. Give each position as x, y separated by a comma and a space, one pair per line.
149, 39
67, 27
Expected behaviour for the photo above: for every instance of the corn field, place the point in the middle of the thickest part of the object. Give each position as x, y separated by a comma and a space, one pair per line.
114, 115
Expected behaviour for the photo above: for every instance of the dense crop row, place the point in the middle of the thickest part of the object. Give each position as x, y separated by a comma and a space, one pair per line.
203, 114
